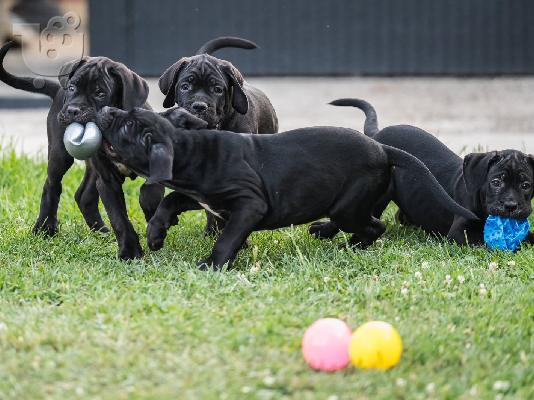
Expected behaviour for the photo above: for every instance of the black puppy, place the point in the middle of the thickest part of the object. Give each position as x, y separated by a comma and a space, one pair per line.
261, 182
214, 90
496, 183
85, 86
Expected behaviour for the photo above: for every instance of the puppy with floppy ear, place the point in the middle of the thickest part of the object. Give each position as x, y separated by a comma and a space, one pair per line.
494, 183
86, 86
214, 90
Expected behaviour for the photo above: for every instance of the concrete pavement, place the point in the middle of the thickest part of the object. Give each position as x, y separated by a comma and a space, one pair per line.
466, 114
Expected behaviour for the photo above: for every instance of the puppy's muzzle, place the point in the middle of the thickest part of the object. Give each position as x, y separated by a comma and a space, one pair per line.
104, 118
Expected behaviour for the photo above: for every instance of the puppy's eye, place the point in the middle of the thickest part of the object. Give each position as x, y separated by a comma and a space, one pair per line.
129, 123
218, 89
184, 87
71, 88
100, 94
525, 185
496, 182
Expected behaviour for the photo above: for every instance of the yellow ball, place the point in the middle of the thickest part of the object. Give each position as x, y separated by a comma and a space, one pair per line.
375, 344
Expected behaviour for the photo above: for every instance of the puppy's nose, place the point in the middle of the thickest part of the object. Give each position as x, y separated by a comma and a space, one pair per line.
199, 106
73, 111
510, 206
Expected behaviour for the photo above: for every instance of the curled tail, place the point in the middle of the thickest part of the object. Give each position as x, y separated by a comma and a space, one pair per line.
225, 41
419, 171
370, 127
46, 87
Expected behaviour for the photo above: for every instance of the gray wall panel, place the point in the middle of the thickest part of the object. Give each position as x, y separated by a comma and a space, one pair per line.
335, 37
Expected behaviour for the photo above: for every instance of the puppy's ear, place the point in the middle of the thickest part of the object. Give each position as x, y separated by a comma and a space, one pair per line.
167, 81
68, 69
475, 169
134, 88
238, 97
161, 157
181, 118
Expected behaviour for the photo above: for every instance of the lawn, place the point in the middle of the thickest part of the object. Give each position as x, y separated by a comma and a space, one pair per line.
75, 322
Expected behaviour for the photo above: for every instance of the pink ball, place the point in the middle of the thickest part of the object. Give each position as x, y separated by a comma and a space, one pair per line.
325, 344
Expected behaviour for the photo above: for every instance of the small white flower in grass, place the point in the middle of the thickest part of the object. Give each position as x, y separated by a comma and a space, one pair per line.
501, 386
425, 265
255, 268
269, 380
499, 396
430, 388
493, 266
482, 291
400, 382
3, 327
473, 391
511, 263
397, 318
418, 275
448, 280
404, 291
246, 389
461, 279
332, 397
79, 391
326, 279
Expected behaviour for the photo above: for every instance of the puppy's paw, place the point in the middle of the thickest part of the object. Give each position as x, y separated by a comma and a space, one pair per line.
45, 228
100, 228
323, 229
131, 253
155, 236
205, 265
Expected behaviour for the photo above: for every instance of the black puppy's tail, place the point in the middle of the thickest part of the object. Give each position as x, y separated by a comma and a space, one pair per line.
418, 171
370, 127
226, 41
46, 87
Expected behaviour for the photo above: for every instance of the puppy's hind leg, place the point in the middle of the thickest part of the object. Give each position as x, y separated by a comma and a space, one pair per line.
166, 216
243, 219
59, 162
87, 199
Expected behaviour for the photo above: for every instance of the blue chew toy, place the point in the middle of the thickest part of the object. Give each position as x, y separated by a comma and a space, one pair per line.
505, 233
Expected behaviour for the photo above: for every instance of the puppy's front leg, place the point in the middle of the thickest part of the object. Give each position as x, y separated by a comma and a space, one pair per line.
243, 219
529, 239
465, 232
150, 196
166, 216
109, 185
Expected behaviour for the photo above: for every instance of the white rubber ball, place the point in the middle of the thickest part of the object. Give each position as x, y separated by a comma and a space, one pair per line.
82, 142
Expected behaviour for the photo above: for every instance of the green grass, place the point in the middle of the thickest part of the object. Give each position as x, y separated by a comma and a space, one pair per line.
77, 323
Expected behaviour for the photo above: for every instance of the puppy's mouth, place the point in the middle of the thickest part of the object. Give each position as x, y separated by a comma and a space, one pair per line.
516, 214
85, 116
208, 115
108, 149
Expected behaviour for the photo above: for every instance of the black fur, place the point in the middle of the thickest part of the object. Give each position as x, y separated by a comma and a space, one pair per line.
496, 183
258, 182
